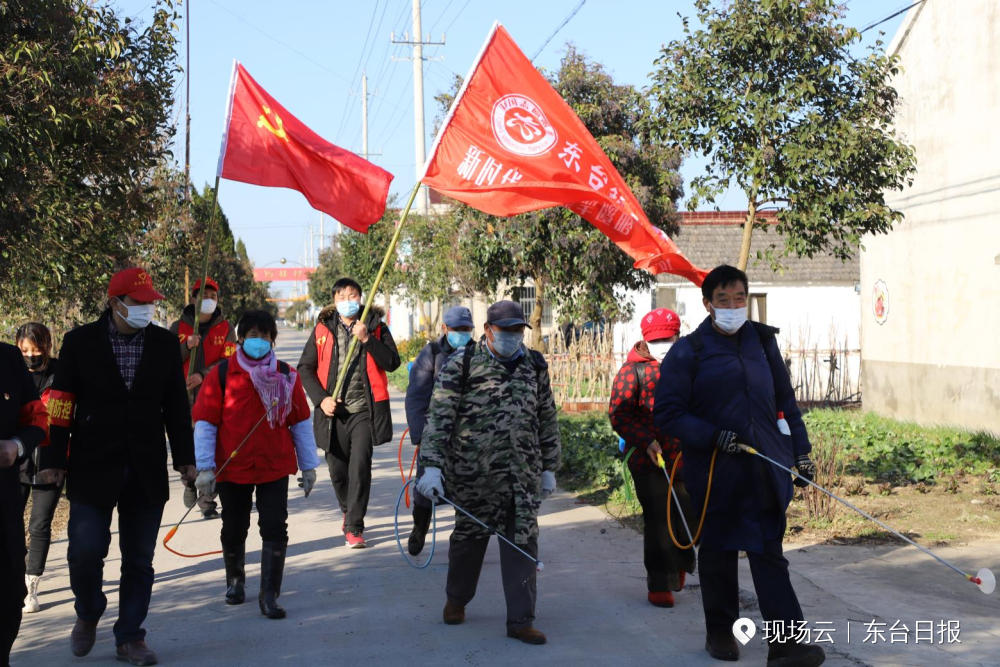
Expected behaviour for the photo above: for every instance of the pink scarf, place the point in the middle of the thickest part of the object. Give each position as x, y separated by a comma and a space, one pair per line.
273, 387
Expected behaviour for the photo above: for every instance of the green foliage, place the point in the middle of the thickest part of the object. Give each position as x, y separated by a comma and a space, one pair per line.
589, 452
362, 254
410, 347
769, 92
885, 450
400, 378
330, 268
85, 98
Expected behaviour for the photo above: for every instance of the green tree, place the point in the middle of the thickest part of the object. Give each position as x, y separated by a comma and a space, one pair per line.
85, 98
573, 266
329, 269
362, 254
768, 90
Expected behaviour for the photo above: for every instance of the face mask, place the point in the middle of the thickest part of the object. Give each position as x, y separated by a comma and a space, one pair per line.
208, 306
139, 316
458, 339
730, 319
256, 348
658, 349
348, 308
506, 343
34, 362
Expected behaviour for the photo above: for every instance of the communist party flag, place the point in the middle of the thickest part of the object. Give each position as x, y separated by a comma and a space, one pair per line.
511, 145
265, 145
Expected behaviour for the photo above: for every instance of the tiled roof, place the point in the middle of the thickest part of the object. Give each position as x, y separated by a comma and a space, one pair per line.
710, 238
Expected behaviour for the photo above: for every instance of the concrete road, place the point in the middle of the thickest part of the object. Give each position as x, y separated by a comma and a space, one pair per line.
368, 606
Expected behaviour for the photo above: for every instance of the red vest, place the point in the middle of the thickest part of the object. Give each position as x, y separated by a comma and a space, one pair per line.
214, 343
377, 378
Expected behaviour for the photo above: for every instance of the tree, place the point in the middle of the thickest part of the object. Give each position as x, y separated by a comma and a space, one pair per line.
329, 269
769, 91
85, 98
362, 255
572, 265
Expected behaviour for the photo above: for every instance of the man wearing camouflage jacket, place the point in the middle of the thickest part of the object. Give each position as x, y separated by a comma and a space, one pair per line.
492, 434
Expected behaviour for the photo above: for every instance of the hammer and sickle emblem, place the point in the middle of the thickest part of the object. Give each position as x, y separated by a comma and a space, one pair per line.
264, 121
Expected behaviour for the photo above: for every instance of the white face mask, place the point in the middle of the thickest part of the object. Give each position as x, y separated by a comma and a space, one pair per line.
139, 316
730, 319
208, 306
658, 349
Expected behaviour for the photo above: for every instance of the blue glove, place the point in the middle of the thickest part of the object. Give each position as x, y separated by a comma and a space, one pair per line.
431, 484
548, 483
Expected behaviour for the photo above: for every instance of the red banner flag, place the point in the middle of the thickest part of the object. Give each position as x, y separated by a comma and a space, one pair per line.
266, 145
511, 145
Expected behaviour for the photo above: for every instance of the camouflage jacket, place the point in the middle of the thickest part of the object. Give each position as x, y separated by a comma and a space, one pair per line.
492, 439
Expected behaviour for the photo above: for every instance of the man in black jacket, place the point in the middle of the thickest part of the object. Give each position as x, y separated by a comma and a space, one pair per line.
349, 425
22, 428
119, 383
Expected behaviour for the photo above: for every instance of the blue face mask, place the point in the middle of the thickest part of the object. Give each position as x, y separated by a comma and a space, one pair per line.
256, 348
458, 339
348, 308
507, 343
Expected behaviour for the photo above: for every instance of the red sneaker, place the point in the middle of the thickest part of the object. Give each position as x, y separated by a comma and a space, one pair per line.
355, 540
661, 598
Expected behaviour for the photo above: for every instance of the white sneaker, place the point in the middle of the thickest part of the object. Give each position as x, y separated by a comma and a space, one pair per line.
31, 599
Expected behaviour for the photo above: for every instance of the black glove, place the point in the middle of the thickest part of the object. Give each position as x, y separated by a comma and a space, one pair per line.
806, 469
727, 442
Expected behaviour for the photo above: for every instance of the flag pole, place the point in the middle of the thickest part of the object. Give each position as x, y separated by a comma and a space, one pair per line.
211, 219
389, 254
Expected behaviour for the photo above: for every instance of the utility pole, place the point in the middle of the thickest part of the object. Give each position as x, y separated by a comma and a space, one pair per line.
418, 43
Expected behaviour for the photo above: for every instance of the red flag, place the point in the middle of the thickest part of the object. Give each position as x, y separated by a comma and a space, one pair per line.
266, 145
511, 144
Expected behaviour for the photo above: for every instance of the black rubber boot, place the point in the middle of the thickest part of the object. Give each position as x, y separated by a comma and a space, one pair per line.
421, 522
272, 566
236, 577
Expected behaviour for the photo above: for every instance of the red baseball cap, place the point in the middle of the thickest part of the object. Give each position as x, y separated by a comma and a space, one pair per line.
208, 283
135, 283
660, 323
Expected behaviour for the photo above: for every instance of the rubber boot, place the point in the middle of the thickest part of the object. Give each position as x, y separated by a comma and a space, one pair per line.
421, 522
272, 566
236, 577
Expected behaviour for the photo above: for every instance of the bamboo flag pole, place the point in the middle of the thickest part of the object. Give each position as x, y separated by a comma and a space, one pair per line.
389, 254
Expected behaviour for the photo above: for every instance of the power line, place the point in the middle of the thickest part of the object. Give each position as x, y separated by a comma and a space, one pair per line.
556, 32
357, 68
890, 16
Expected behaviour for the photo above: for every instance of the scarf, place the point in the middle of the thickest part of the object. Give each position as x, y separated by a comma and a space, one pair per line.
272, 386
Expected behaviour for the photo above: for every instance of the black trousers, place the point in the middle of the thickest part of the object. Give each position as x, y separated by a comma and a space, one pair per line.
350, 463
719, 579
663, 560
465, 562
12, 590
89, 539
44, 500
272, 512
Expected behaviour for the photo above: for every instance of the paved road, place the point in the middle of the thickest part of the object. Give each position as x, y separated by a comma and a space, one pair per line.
353, 606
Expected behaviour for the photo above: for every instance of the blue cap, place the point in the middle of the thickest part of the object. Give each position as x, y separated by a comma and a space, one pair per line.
506, 314
458, 316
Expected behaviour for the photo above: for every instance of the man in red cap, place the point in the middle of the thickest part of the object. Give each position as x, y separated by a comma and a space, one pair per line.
118, 386
214, 341
631, 413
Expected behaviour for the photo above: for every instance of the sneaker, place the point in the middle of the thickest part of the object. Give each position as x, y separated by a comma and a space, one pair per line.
135, 653
528, 635
31, 599
211, 514
355, 540
661, 598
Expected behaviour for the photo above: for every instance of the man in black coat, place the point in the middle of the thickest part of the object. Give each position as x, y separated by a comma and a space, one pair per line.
349, 425
119, 383
23, 423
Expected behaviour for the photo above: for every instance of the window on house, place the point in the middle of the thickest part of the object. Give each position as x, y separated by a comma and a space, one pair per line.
526, 297
758, 308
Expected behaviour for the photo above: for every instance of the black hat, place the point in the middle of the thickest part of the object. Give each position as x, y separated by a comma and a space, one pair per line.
506, 314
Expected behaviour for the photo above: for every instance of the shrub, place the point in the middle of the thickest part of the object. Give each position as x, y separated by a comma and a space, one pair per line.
589, 452
410, 347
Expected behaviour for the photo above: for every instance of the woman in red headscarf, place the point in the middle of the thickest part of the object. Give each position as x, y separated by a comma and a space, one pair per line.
631, 413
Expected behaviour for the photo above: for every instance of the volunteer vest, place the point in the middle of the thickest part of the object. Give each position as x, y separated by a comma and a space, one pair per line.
377, 378
214, 344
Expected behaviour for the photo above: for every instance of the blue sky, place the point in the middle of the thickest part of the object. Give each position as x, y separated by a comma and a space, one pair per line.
309, 55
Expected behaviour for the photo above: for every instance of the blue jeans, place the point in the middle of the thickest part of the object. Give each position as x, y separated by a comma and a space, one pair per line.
89, 539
